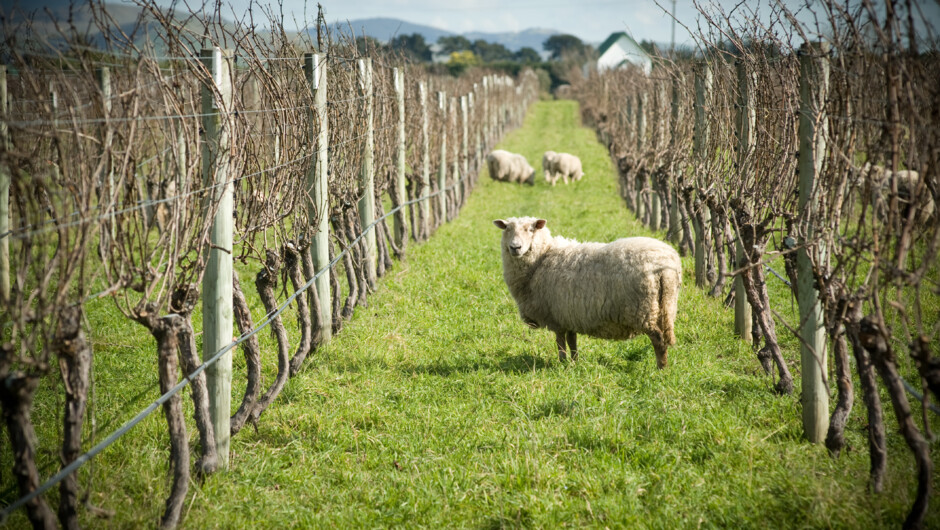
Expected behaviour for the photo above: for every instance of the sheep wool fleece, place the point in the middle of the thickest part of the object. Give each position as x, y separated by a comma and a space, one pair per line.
614, 291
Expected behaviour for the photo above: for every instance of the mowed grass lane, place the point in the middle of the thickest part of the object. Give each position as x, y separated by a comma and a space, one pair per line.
436, 407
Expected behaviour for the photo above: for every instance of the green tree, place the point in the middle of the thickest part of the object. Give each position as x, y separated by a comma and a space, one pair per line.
456, 43
460, 61
413, 46
561, 45
527, 55
490, 51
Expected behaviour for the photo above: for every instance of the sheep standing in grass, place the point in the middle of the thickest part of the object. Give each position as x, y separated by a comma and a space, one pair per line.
610, 291
510, 167
569, 166
548, 167
562, 165
912, 193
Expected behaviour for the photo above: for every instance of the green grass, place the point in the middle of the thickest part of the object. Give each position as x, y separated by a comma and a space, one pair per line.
436, 407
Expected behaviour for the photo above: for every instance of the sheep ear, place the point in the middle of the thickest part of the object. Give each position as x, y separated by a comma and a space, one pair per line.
540, 224
500, 224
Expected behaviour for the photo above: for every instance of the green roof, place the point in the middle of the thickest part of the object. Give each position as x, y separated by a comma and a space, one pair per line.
614, 37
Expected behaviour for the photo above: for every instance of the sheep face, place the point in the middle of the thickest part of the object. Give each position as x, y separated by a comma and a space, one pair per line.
530, 180
518, 234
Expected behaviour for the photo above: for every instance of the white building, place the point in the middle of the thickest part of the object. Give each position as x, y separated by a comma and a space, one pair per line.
620, 50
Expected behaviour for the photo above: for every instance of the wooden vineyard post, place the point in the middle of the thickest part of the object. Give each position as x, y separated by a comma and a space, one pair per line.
745, 130
641, 179
703, 88
630, 120
455, 167
217, 302
4, 195
814, 88
675, 227
656, 203
485, 121
103, 74
317, 183
367, 176
399, 221
464, 148
442, 166
425, 189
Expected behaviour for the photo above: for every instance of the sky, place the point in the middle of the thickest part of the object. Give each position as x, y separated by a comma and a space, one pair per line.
590, 20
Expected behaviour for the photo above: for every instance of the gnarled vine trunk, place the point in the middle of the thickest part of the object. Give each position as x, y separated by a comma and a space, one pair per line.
877, 447
166, 330
75, 363
17, 390
875, 341
266, 281
252, 351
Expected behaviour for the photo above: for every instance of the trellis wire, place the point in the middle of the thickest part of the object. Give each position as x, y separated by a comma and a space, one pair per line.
121, 431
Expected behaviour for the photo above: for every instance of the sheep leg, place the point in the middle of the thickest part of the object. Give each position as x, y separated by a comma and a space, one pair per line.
572, 338
659, 346
560, 341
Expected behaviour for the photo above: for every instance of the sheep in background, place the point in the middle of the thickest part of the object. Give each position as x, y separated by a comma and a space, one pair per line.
548, 167
562, 165
878, 182
510, 167
610, 291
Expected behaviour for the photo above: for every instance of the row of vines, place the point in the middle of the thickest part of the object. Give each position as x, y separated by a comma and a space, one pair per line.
104, 145
713, 151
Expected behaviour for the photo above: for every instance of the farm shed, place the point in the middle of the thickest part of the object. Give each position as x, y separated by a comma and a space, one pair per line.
620, 50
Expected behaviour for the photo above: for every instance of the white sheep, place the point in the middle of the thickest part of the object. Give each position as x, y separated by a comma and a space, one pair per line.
563, 165
611, 291
510, 167
911, 192
548, 166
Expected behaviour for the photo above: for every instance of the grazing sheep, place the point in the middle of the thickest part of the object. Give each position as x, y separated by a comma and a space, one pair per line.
569, 166
911, 192
562, 165
548, 167
610, 291
510, 167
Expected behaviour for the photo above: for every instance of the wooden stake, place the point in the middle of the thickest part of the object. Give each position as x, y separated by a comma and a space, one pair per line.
317, 182
813, 129
442, 166
217, 309
703, 88
367, 176
4, 195
399, 222
745, 130
425, 190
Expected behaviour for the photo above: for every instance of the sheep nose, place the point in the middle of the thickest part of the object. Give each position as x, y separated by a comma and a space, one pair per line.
514, 247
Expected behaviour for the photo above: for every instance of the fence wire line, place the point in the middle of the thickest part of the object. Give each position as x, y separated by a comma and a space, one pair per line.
907, 386
19, 232
65, 118
148, 203
113, 437
98, 206
34, 230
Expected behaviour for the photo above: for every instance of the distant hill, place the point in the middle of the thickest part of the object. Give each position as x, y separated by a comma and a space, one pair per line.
384, 29
127, 17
